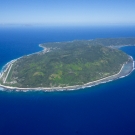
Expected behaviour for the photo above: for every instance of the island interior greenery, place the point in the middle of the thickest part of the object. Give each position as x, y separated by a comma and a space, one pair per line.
69, 63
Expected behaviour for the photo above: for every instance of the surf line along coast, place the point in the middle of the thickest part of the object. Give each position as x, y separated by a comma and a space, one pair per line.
125, 70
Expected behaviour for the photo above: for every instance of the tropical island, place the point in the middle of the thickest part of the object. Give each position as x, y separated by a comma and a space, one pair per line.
69, 65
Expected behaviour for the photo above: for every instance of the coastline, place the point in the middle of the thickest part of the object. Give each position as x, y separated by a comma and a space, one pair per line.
120, 74
125, 70
5, 67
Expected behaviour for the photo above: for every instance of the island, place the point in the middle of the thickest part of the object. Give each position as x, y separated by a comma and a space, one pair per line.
69, 65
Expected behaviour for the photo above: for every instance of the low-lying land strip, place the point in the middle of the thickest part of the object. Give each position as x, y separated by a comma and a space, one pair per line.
8, 73
5, 73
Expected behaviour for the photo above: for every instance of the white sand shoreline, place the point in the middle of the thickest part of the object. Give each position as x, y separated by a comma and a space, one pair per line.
75, 87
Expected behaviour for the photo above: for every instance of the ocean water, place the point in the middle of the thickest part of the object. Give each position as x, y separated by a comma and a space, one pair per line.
105, 109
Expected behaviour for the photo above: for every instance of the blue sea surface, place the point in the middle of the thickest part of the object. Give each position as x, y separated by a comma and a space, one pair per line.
105, 109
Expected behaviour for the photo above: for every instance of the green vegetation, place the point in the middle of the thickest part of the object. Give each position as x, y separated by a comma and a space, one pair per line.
67, 64
100, 41
114, 41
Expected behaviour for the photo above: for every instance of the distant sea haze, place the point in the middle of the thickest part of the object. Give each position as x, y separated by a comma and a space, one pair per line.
107, 109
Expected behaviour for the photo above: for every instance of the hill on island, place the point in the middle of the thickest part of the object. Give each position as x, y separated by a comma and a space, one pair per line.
66, 64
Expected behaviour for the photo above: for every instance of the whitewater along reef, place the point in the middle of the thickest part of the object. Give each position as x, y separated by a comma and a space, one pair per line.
69, 65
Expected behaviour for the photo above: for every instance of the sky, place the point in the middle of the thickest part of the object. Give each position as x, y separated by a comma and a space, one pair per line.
67, 12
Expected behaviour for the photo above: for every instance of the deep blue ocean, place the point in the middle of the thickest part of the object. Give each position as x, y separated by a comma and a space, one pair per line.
105, 109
